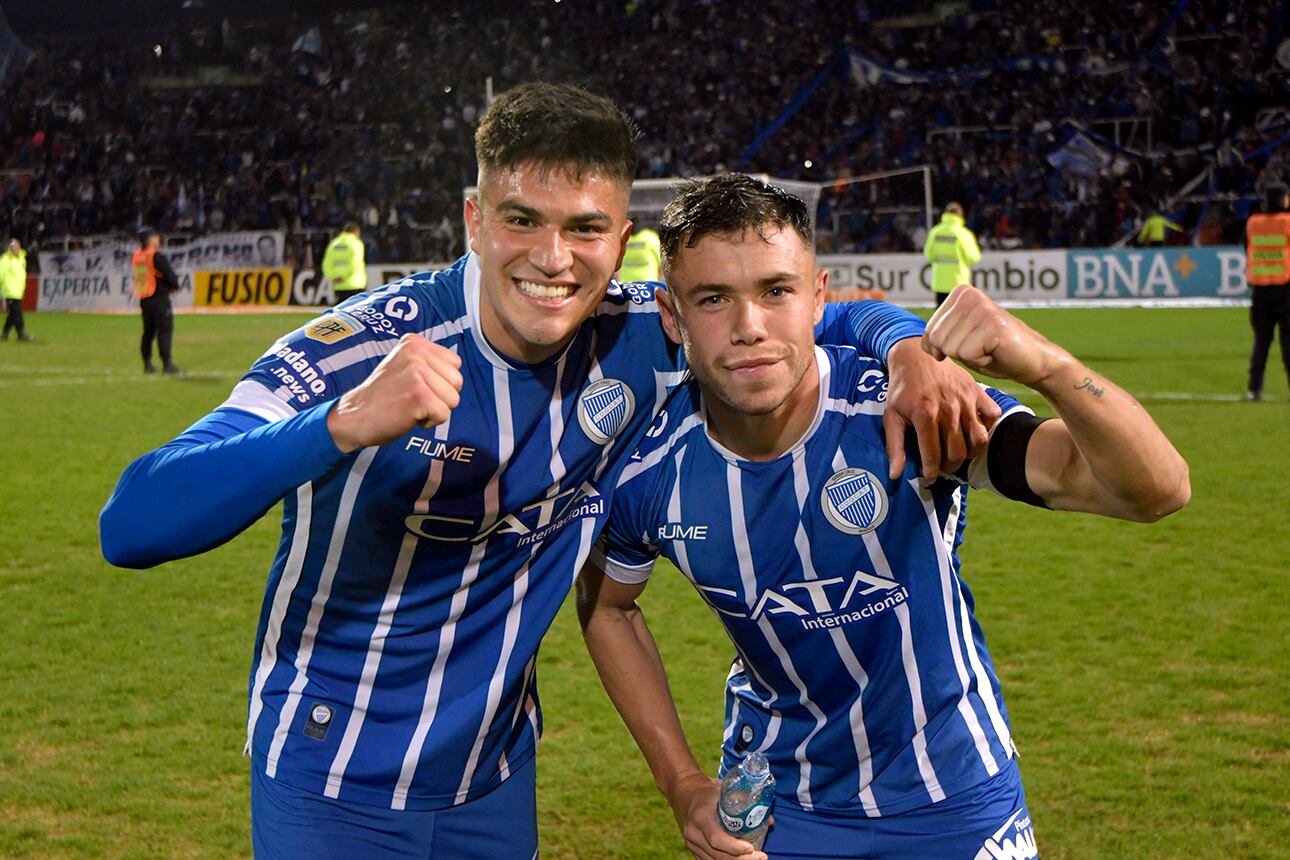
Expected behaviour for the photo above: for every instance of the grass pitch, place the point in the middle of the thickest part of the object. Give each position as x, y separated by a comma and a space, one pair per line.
1146, 668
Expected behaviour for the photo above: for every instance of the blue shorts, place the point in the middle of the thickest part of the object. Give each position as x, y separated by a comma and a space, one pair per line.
987, 822
288, 823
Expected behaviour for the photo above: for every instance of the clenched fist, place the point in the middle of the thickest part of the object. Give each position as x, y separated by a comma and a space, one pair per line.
972, 329
417, 384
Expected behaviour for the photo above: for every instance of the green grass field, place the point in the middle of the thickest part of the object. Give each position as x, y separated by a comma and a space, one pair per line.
1147, 668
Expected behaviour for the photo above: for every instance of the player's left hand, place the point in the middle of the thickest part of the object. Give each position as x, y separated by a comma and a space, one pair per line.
949, 412
694, 804
972, 329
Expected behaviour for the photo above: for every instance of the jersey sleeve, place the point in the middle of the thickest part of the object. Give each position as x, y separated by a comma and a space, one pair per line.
872, 327
1005, 451
331, 355
211, 482
627, 547
269, 437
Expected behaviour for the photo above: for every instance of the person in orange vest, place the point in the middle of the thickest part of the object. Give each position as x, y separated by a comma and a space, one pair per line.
153, 280
1267, 269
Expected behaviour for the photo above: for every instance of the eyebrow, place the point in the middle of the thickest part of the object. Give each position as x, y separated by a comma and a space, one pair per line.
595, 216
721, 286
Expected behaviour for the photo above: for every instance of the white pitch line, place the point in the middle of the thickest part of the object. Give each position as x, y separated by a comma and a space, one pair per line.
35, 379
97, 371
1026, 393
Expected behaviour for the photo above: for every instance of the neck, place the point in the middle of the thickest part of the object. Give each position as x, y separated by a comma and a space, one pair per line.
764, 437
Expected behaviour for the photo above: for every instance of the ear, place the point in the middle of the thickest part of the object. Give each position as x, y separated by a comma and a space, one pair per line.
622, 244
473, 215
821, 290
667, 314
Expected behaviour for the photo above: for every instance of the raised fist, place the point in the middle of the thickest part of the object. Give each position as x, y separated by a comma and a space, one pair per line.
417, 384
972, 329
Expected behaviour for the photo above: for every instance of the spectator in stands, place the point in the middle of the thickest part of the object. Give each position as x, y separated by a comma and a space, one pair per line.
13, 283
1267, 265
990, 95
343, 263
153, 281
953, 251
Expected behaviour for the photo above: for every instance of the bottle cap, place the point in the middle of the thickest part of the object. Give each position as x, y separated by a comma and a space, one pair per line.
756, 766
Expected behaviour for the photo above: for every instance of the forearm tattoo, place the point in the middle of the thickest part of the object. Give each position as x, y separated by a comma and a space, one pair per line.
1095, 390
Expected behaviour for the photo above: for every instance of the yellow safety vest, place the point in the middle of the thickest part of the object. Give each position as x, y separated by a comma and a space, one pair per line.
643, 257
343, 263
953, 251
13, 275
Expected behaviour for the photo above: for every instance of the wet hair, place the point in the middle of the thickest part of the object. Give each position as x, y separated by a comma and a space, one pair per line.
954, 209
557, 125
729, 203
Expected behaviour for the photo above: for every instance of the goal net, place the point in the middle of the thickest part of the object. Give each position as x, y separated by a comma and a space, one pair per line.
882, 212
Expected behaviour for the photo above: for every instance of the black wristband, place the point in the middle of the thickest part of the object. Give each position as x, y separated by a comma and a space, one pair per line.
1006, 461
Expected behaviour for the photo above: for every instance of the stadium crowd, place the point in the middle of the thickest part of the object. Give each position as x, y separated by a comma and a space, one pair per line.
1056, 124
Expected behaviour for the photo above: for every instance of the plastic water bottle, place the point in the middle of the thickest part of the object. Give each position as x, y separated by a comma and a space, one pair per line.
747, 796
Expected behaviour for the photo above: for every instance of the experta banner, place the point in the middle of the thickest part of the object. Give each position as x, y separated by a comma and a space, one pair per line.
98, 278
101, 292
1038, 277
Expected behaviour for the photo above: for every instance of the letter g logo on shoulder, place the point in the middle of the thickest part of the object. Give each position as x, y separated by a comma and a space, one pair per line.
604, 409
402, 308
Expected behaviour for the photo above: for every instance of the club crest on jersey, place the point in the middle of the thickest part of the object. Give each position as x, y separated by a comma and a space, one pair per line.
604, 409
854, 501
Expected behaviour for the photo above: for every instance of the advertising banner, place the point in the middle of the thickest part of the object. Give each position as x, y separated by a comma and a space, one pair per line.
905, 279
92, 279
1112, 275
101, 292
1127, 274
236, 287
310, 288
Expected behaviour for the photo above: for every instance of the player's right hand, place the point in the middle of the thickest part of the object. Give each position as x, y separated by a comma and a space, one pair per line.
694, 803
417, 385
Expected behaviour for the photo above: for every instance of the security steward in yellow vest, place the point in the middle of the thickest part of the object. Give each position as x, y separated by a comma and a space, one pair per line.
1155, 228
643, 259
953, 251
153, 280
1267, 270
343, 263
13, 283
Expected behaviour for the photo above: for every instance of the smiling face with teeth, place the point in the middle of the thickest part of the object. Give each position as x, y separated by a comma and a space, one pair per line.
548, 239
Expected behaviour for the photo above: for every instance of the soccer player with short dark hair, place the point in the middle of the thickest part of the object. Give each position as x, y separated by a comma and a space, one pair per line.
861, 672
445, 447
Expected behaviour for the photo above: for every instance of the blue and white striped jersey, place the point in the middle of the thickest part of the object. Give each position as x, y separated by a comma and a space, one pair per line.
860, 671
413, 584
414, 581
